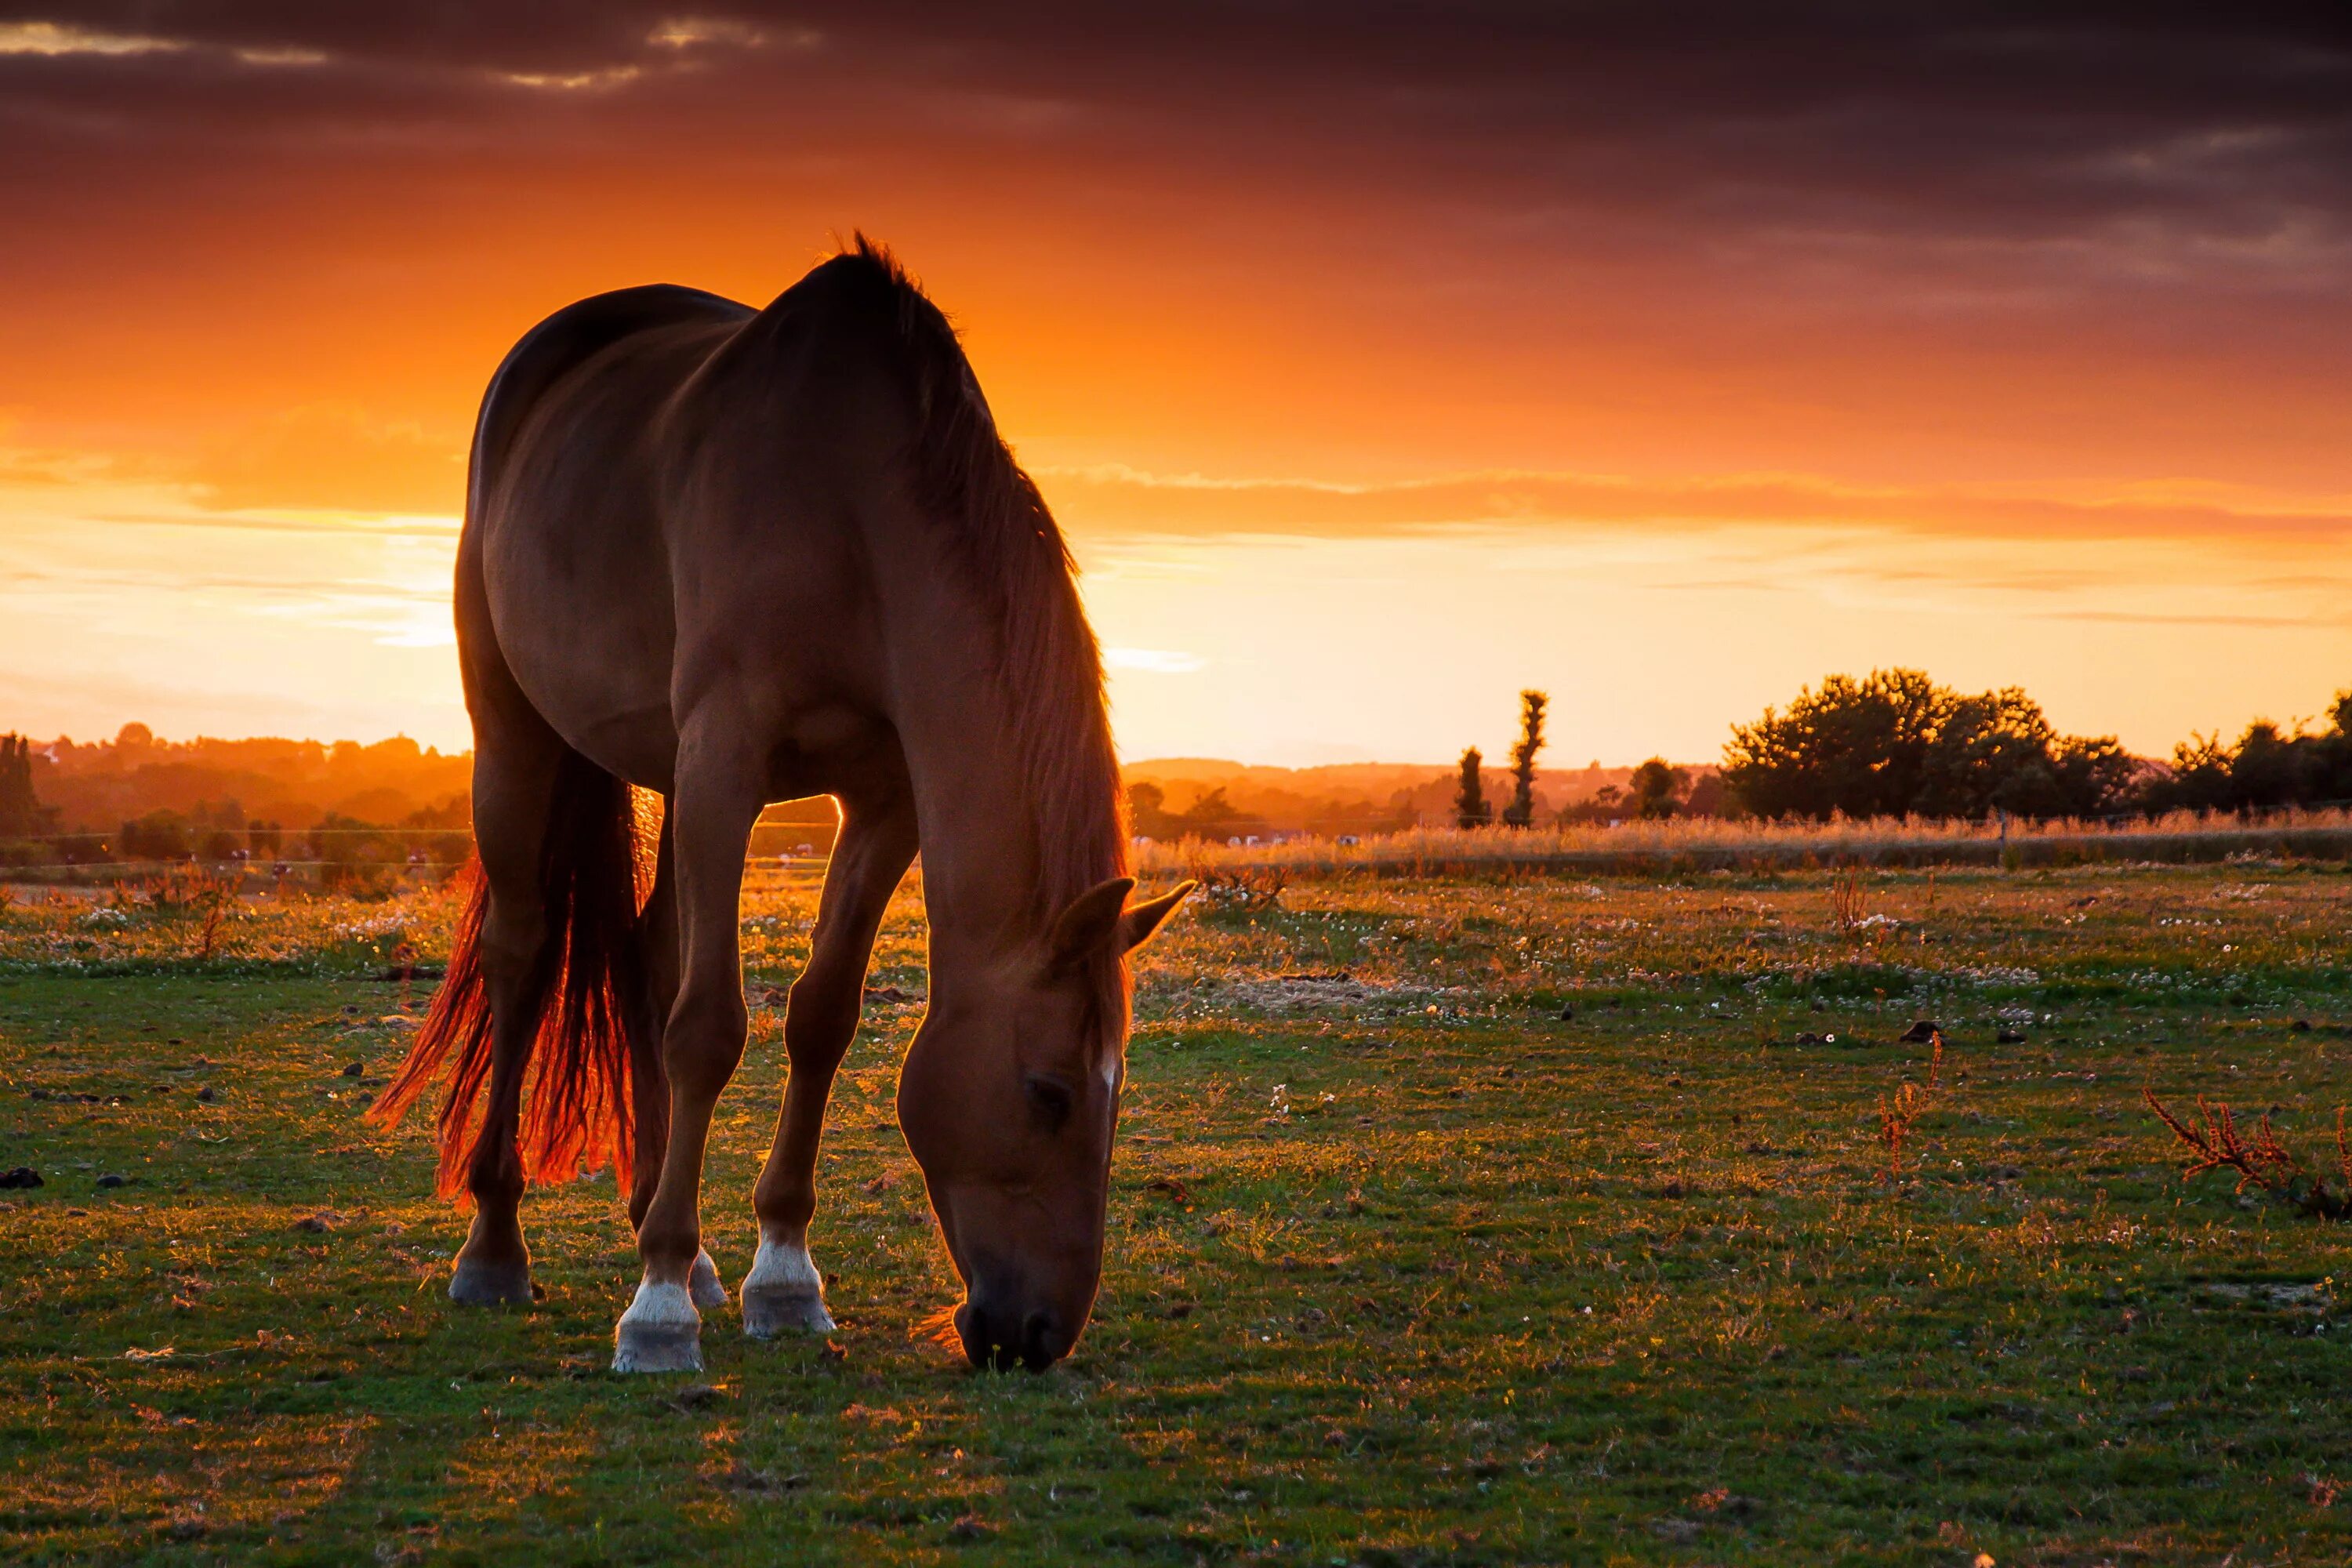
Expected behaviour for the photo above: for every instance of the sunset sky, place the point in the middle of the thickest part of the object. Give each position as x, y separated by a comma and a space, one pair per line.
1380, 360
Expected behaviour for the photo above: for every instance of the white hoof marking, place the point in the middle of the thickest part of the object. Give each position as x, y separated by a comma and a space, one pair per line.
783, 1292
661, 1331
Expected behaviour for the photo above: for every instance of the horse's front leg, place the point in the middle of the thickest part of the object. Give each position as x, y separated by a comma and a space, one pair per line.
715, 802
783, 1290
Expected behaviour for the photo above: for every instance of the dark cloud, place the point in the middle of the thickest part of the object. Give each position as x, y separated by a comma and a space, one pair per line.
2207, 135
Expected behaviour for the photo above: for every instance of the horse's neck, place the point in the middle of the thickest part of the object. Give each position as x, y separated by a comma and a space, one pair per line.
976, 802
981, 857
981, 861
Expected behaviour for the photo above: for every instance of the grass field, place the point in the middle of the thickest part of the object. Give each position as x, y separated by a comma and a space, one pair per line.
1405, 1268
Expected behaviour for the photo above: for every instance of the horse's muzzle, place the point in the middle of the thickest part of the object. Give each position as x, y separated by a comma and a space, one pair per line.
993, 1339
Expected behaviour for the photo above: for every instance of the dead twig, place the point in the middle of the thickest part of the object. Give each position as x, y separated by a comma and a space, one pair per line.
2267, 1166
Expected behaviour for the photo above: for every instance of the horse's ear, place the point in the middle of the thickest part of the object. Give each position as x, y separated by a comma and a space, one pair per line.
1088, 924
1135, 926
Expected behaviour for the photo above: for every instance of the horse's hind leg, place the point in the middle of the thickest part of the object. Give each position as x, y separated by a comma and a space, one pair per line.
649, 1089
514, 788
783, 1290
718, 798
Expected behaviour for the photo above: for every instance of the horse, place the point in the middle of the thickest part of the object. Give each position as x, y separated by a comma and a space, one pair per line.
727, 557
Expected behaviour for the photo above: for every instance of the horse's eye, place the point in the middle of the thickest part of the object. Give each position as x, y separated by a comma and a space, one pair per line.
1050, 1099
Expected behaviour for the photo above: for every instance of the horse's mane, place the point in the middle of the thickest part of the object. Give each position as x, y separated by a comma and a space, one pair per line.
1047, 657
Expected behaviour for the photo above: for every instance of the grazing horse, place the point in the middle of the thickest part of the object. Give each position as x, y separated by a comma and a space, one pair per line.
732, 557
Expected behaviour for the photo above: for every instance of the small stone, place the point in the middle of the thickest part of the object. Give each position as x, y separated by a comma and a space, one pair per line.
206, 1094
2301, 1026
740, 1477
112, 1180
319, 1224
1807, 1037
1568, 1013
1921, 1031
353, 1070
2010, 1037
20, 1176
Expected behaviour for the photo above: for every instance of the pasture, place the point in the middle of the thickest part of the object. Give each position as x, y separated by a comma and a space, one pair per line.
1405, 1267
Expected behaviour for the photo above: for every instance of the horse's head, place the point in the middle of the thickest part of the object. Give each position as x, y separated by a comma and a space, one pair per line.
1007, 1099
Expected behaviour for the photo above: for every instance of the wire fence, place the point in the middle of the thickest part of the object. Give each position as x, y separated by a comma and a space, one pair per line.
797, 854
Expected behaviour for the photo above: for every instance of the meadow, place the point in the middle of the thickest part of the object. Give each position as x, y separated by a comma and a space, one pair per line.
1457, 1218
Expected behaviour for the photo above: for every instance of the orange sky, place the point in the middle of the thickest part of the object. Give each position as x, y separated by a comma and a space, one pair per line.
1376, 368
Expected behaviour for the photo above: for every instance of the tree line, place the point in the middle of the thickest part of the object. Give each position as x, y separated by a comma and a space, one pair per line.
1896, 743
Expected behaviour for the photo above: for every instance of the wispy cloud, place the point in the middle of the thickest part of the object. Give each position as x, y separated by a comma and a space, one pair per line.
1109, 500
54, 39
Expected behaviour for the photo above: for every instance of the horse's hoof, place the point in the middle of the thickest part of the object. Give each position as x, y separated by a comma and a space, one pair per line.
703, 1286
481, 1282
783, 1293
661, 1331
767, 1313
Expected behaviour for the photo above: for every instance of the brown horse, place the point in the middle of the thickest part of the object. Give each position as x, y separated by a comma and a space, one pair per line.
733, 557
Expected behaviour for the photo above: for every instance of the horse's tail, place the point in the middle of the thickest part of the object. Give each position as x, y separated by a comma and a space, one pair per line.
586, 993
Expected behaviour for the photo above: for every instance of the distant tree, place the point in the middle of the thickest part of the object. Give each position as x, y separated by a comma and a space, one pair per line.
1895, 745
2199, 780
1148, 813
2332, 775
158, 835
1211, 817
1471, 808
1658, 788
2266, 769
133, 736
1859, 747
22, 814
1521, 812
1708, 797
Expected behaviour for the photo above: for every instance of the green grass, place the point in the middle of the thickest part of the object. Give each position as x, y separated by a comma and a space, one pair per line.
1472, 1285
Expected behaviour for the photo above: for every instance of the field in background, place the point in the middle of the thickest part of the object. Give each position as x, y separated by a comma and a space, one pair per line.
1405, 1266
1708, 843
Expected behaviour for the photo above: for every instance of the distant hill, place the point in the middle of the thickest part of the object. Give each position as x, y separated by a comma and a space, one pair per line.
97, 787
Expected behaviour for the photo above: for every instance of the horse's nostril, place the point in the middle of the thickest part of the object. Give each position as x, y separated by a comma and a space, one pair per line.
1042, 1339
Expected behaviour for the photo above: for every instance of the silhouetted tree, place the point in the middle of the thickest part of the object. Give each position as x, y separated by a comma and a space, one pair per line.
1521, 812
1896, 743
1657, 787
1471, 808
22, 814
2267, 768
1148, 813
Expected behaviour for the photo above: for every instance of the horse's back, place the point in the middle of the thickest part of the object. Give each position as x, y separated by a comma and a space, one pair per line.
567, 339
